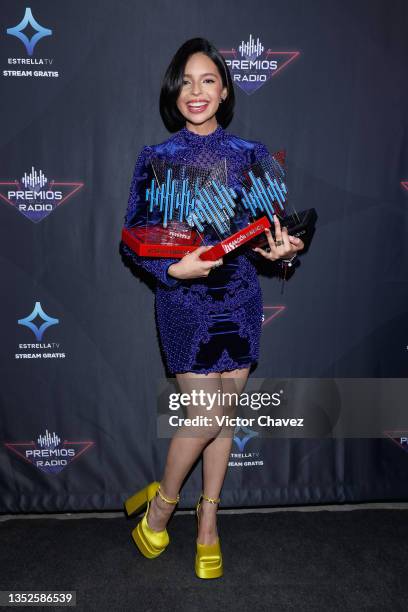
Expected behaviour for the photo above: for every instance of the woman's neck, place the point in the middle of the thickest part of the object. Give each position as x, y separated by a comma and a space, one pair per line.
203, 130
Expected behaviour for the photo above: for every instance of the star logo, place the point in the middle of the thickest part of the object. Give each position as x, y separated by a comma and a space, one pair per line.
40, 31
242, 441
47, 321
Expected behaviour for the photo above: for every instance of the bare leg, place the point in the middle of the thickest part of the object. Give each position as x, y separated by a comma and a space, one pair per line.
183, 451
215, 460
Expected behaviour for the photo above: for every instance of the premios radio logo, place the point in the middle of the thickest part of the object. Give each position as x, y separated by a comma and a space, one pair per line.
253, 64
38, 321
35, 196
28, 35
48, 453
400, 438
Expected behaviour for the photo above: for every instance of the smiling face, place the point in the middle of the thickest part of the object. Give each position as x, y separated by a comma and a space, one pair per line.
201, 92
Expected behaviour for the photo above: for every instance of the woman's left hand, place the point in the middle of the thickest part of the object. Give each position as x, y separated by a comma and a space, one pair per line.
283, 247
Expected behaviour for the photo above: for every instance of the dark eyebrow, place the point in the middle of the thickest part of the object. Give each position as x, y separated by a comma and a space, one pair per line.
204, 74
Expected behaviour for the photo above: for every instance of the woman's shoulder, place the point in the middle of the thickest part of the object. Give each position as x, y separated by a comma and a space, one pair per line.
162, 146
255, 146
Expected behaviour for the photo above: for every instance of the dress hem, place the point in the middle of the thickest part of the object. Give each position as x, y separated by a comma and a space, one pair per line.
208, 370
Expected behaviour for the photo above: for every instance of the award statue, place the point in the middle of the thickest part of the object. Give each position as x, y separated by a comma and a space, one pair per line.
264, 190
187, 206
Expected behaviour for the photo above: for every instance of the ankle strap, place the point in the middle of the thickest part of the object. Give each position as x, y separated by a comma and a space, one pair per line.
166, 499
212, 500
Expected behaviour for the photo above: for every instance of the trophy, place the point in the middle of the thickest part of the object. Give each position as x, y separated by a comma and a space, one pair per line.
187, 206
264, 190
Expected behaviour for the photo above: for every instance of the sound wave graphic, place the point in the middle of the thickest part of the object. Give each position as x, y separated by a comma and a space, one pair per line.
251, 49
33, 179
48, 440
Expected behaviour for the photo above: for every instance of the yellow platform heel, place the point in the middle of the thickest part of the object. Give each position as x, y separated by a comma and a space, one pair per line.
208, 560
150, 543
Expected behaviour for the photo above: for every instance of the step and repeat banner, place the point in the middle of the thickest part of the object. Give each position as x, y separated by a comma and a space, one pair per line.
80, 358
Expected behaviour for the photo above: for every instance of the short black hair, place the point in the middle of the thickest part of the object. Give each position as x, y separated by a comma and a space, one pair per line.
173, 81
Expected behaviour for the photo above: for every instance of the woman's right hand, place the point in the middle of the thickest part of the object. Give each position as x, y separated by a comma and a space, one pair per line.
191, 266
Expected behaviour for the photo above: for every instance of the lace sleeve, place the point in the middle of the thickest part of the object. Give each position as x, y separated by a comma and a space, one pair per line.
260, 151
136, 215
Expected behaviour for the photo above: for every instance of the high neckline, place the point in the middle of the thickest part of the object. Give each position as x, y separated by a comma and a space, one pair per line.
192, 137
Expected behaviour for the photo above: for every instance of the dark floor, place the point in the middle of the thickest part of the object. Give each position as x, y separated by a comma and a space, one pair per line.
327, 560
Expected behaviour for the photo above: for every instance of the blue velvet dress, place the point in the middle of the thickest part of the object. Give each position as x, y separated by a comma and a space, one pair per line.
210, 324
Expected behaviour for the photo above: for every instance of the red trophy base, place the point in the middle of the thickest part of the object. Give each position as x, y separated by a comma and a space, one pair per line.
236, 240
155, 242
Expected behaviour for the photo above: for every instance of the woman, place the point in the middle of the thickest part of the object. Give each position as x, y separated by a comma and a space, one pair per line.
209, 314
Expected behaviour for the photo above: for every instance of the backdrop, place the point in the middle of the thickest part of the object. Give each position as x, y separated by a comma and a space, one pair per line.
80, 361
